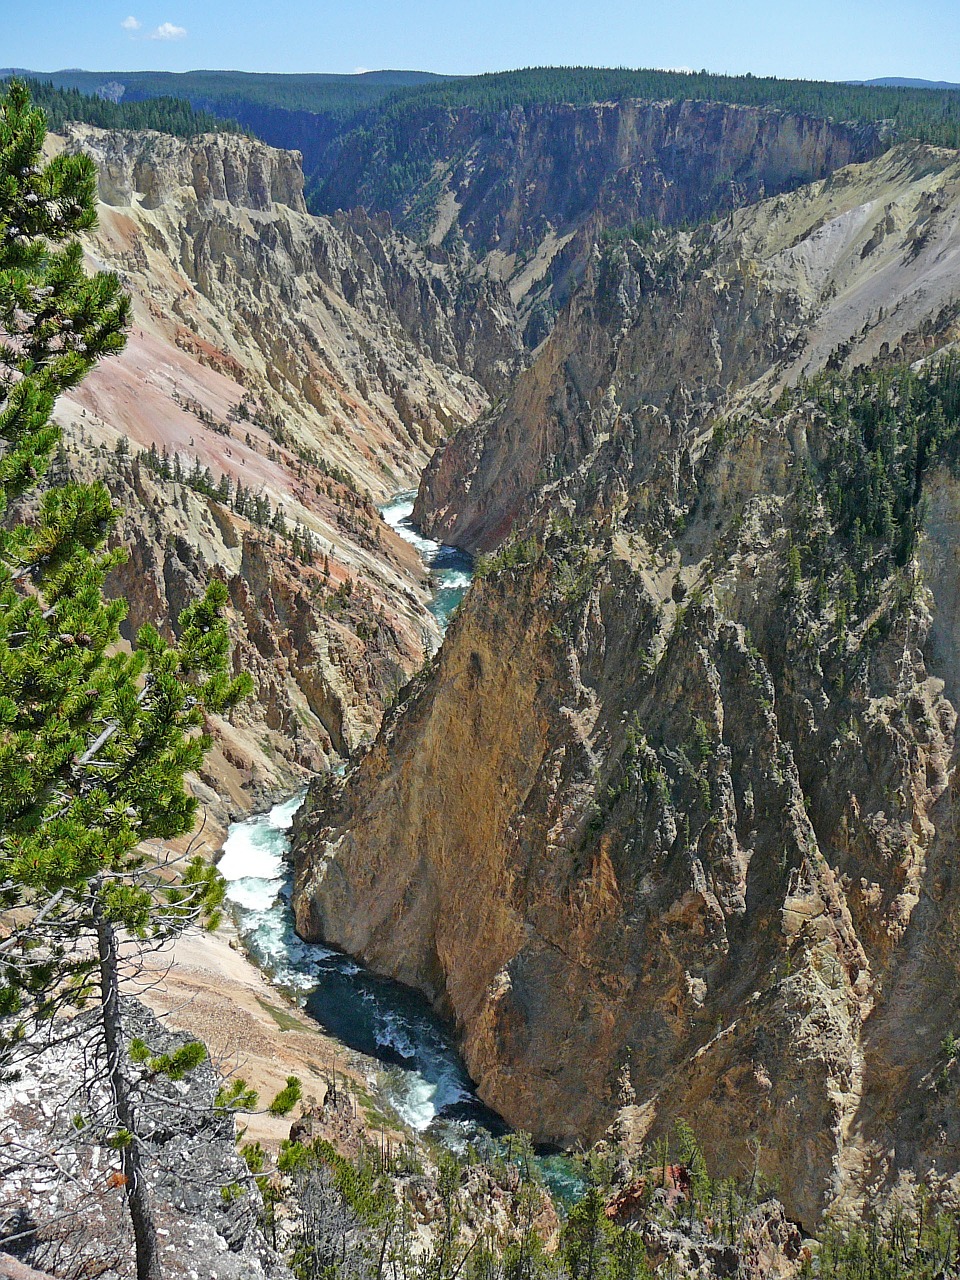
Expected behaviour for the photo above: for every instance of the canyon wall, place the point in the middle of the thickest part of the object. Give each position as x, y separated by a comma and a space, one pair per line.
841, 272
526, 190
668, 827
283, 364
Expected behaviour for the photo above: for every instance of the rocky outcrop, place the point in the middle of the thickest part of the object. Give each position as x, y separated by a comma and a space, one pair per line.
667, 830
839, 274
62, 1205
150, 169
526, 189
770, 1248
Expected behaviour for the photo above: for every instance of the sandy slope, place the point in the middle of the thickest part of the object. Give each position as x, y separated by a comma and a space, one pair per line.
207, 986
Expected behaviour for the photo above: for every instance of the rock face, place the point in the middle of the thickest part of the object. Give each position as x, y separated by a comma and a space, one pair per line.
841, 272
62, 1203
517, 186
310, 363
326, 322
667, 830
323, 663
151, 169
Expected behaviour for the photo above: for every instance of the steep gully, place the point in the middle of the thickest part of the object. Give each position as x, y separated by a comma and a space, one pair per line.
423, 1079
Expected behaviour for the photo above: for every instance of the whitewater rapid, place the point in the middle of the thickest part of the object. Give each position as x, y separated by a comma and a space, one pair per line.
422, 1075
451, 568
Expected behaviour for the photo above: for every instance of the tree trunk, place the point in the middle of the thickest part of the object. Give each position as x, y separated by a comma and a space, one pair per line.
135, 1184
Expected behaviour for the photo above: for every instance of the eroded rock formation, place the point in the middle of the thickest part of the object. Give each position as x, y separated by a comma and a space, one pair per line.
526, 190
311, 363
668, 829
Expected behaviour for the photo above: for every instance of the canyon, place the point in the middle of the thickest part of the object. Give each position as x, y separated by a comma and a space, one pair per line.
667, 826
313, 363
526, 191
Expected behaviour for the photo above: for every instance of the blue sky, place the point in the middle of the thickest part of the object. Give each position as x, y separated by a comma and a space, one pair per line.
829, 39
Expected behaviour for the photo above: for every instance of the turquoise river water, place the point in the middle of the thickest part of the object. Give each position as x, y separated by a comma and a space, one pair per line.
422, 1075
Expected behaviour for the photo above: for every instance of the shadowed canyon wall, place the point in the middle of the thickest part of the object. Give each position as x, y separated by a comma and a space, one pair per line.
668, 828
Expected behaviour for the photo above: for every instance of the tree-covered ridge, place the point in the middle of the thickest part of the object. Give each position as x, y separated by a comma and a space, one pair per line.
165, 115
223, 92
340, 96
931, 116
388, 154
884, 426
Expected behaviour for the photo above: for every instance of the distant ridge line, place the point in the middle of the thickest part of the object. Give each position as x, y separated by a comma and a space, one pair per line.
902, 82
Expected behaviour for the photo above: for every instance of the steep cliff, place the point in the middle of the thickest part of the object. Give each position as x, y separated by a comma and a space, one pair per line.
326, 322
283, 373
668, 827
151, 169
517, 186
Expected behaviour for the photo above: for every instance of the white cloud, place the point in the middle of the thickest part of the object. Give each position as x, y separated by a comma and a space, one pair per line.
130, 24
360, 71
167, 31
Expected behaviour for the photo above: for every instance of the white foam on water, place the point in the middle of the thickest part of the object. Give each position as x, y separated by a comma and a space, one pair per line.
252, 894
450, 580
282, 815
400, 508
256, 849
394, 1034
397, 515
413, 1098
417, 1097
254, 866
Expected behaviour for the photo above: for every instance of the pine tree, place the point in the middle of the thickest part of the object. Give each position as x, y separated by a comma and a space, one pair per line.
94, 741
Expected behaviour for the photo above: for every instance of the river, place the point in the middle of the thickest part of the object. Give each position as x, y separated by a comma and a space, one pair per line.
452, 568
421, 1074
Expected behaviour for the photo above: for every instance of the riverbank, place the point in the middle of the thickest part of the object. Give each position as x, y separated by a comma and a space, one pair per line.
207, 986
240, 989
